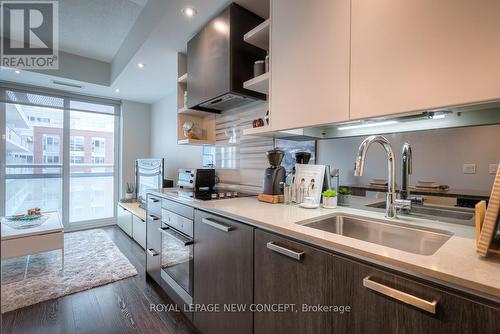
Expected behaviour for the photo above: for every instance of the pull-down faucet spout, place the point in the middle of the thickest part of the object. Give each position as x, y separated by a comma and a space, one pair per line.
390, 210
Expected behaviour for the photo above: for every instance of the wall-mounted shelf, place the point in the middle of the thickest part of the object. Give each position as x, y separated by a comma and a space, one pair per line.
256, 131
183, 78
259, 36
198, 142
193, 112
259, 84
204, 122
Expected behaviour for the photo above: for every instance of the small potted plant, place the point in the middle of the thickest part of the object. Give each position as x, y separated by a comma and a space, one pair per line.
329, 199
344, 196
129, 193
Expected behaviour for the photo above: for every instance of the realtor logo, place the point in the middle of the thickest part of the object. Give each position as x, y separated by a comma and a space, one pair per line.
30, 34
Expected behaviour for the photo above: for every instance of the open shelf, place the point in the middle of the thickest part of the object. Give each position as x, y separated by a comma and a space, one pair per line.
193, 112
188, 141
259, 36
256, 131
258, 84
183, 78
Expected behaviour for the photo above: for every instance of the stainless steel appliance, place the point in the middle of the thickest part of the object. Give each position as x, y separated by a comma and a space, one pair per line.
274, 176
176, 255
196, 178
219, 61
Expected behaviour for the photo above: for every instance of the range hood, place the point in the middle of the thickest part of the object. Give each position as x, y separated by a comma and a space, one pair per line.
219, 61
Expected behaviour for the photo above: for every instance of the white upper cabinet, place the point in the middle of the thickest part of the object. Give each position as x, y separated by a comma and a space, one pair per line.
420, 54
309, 62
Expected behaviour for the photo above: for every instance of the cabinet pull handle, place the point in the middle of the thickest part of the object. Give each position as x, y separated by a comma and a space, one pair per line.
285, 251
153, 217
154, 200
152, 252
400, 295
217, 225
177, 236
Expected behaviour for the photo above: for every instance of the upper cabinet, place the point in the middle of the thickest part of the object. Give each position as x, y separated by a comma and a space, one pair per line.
309, 63
421, 54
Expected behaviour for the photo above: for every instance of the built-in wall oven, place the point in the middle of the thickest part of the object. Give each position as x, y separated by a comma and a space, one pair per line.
176, 254
169, 256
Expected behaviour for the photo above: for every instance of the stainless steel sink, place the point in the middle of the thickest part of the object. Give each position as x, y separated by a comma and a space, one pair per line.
451, 214
408, 238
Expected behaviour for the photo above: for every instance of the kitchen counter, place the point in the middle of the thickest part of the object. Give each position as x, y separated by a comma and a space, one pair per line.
133, 208
455, 264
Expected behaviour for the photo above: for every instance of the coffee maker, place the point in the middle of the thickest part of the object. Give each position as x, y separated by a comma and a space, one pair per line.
274, 176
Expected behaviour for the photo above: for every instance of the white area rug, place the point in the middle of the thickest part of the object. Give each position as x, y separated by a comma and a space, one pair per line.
91, 259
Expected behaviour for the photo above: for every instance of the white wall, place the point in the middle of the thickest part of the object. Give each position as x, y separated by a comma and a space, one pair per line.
438, 155
135, 127
164, 139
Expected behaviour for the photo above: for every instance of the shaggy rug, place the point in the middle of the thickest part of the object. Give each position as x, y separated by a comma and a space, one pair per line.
90, 259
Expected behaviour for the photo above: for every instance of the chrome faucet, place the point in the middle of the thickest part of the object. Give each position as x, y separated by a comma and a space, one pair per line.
390, 197
406, 160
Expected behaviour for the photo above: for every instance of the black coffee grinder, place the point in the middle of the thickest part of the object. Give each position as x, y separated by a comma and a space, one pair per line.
274, 176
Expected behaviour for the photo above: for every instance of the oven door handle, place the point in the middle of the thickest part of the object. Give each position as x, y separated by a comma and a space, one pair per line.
177, 236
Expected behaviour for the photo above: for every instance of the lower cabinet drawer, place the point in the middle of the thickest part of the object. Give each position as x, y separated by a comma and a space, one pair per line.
139, 231
153, 247
383, 302
293, 274
153, 204
124, 220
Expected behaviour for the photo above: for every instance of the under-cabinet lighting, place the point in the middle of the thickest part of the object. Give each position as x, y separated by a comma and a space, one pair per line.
366, 125
438, 116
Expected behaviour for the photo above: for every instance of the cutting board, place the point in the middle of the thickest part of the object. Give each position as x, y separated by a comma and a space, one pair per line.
490, 219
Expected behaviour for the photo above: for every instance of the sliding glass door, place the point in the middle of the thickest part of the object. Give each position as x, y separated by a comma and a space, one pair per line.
60, 154
33, 158
92, 165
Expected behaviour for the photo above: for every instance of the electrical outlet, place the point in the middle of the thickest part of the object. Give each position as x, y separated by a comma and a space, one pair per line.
469, 168
492, 168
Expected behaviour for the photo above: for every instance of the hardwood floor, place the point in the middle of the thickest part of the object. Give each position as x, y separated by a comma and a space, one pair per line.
119, 307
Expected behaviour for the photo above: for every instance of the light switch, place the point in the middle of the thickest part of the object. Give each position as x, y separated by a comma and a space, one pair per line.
492, 168
469, 169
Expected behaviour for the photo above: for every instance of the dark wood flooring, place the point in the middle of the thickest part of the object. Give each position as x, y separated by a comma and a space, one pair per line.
119, 307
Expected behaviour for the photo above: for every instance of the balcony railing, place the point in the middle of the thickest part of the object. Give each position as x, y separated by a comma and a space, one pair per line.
30, 171
14, 137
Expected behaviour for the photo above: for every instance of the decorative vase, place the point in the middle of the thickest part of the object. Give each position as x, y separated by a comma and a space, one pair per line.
129, 195
330, 202
344, 199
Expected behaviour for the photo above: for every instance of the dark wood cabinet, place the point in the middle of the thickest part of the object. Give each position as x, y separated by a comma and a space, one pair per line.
288, 272
223, 273
381, 312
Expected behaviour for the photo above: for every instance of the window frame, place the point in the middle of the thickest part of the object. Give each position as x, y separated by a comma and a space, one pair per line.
65, 142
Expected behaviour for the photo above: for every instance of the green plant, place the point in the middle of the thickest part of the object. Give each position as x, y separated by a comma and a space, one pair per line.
130, 188
329, 193
345, 191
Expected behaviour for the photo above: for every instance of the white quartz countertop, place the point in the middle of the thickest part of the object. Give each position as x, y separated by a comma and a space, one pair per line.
456, 262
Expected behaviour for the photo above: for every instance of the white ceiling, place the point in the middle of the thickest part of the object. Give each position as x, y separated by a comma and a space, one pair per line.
104, 30
96, 28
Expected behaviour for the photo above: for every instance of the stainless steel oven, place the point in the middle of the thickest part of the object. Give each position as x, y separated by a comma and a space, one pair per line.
176, 254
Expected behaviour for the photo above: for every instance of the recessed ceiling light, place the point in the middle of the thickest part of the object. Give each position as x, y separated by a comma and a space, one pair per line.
117, 90
17, 72
189, 11
140, 65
